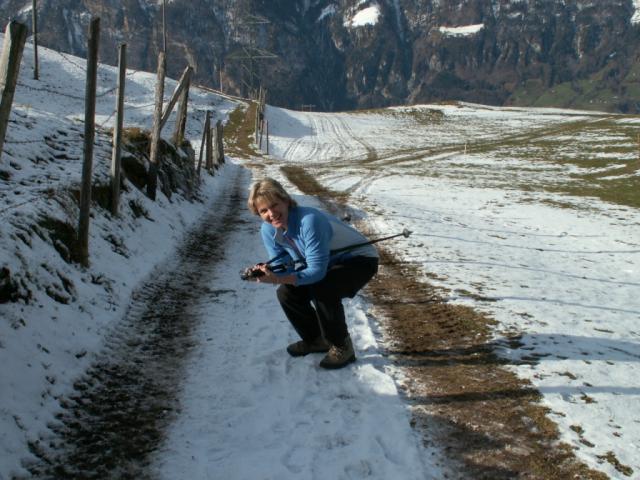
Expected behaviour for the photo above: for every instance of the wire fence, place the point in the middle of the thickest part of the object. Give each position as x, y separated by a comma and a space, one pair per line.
100, 126
72, 146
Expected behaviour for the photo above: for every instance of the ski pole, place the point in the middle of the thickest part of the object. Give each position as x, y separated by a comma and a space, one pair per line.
405, 233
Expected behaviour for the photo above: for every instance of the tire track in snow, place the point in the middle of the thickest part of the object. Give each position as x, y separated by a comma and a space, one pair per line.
345, 137
338, 134
122, 404
291, 151
372, 154
315, 146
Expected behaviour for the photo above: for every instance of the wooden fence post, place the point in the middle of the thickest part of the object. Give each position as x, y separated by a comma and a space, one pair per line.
219, 144
181, 122
209, 151
89, 134
117, 130
14, 37
257, 121
34, 22
152, 182
207, 121
267, 127
216, 150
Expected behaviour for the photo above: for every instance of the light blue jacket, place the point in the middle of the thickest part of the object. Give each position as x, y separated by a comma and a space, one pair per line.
310, 237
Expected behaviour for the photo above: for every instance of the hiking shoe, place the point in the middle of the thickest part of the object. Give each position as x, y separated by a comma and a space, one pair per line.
301, 348
339, 356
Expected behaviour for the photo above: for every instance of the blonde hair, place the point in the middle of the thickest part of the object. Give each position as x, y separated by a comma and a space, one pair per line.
270, 190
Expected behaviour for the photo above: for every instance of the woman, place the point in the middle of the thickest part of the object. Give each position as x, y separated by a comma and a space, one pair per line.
313, 275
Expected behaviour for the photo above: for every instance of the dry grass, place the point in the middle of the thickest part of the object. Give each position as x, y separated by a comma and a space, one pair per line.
239, 132
464, 398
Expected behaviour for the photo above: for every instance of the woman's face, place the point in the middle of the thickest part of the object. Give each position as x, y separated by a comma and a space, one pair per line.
275, 212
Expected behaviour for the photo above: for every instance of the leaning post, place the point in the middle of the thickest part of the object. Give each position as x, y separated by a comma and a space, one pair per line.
182, 84
181, 123
207, 121
14, 38
89, 134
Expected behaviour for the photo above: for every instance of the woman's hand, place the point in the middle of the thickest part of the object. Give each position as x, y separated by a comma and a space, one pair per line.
267, 275
270, 277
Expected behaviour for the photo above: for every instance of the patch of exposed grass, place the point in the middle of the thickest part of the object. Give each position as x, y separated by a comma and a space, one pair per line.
308, 184
240, 130
622, 191
464, 400
420, 115
63, 238
577, 428
475, 296
626, 168
606, 167
613, 460
592, 93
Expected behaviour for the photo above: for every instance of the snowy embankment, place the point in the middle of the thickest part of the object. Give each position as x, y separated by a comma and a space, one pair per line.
562, 270
53, 333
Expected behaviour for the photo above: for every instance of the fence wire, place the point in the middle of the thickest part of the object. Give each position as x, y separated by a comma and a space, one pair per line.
48, 191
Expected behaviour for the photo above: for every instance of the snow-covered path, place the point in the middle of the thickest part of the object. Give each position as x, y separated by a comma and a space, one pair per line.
251, 411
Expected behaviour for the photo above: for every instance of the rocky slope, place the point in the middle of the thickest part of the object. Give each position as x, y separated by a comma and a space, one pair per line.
342, 54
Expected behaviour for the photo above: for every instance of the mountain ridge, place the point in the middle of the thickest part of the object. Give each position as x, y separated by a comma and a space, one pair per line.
349, 54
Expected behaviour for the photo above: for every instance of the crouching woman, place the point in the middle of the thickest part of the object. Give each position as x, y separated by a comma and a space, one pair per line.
313, 268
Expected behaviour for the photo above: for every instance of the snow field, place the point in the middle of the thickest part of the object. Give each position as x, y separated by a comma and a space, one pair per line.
563, 271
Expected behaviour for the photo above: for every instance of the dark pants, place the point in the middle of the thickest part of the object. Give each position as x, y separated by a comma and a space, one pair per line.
327, 318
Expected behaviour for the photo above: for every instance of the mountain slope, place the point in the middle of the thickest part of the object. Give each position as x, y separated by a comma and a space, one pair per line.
359, 54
